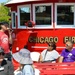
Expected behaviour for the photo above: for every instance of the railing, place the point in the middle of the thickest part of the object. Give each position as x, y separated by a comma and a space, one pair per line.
56, 68
53, 68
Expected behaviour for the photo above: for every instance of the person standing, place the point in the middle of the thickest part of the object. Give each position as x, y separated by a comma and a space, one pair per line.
68, 54
6, 67
5, 40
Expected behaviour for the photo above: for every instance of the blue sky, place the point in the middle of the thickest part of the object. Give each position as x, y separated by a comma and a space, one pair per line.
1, 1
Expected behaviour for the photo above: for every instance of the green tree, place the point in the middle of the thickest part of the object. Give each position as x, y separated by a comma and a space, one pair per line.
4, 11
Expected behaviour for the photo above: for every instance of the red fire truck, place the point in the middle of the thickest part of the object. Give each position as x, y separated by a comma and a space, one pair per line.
54, 21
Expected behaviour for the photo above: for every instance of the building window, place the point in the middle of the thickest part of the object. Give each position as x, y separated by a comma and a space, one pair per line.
65, 15
43, 15
13, 19
24, 15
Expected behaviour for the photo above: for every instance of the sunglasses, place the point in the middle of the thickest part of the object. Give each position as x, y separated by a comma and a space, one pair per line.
67, 45
51, 45
2, 53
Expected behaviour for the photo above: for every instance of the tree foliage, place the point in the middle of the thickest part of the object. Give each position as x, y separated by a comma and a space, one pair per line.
4, 11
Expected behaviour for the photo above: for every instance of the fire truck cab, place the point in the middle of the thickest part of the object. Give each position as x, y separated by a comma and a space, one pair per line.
54, 21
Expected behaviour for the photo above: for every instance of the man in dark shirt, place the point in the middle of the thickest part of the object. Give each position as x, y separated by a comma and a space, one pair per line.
6, 67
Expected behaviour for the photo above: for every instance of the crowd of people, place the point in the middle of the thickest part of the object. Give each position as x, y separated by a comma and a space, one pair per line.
23, 56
